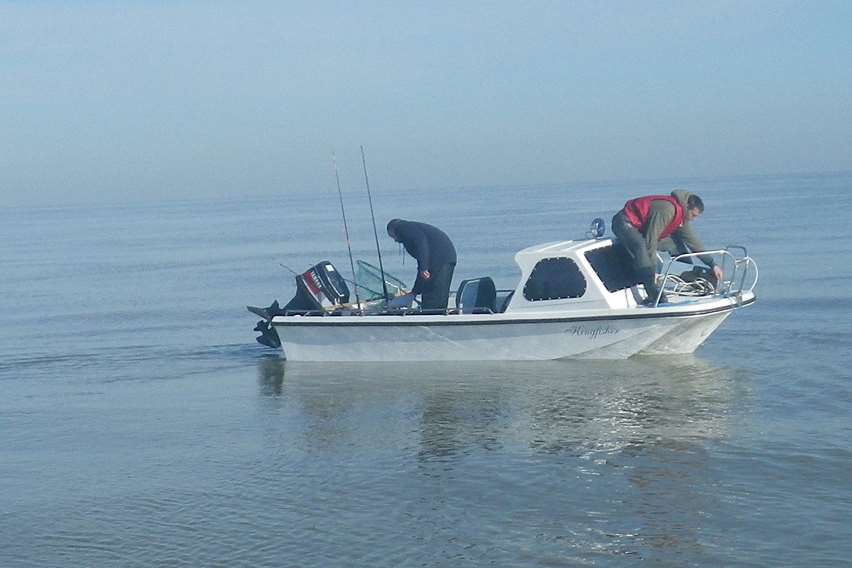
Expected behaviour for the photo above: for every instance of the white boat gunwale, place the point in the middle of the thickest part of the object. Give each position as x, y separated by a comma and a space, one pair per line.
661, 311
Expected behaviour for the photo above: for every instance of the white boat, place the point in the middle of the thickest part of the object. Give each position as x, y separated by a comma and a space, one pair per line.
574, 299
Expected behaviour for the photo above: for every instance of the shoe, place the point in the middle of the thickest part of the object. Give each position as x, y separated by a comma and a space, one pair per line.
649, 301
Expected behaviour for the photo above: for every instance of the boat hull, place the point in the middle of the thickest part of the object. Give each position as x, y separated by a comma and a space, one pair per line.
498, 337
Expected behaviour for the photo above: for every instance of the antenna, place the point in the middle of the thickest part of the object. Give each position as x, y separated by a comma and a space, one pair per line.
375, 234
346, 228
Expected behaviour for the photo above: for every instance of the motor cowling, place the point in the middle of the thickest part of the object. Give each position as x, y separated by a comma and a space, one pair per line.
319, 287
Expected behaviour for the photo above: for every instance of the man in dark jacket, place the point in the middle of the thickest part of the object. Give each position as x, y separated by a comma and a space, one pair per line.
436, 260
659, 221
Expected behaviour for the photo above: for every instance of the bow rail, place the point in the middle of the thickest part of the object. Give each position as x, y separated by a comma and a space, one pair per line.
739, 271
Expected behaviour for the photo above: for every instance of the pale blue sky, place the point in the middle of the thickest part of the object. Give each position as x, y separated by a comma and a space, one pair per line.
126, 100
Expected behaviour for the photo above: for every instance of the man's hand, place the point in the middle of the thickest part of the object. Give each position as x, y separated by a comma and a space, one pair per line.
426, 275
717, 272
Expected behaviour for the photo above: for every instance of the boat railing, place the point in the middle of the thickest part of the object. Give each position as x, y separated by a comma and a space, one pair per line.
336, 311
734, 262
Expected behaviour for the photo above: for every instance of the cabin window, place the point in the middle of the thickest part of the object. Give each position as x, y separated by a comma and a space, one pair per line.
555, 279
614, 267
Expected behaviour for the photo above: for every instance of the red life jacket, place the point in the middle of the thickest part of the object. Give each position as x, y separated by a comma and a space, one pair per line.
636, 212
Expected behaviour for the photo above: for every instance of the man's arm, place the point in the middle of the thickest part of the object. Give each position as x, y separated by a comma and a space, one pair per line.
687, 235
674, 246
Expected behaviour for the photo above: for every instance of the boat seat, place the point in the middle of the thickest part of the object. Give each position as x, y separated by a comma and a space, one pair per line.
476, 295
503, 299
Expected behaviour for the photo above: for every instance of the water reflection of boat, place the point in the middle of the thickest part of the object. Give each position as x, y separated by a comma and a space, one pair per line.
593, 460
574, 299
551, 406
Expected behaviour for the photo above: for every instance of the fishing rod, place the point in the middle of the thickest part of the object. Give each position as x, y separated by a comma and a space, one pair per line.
375, 233
346, 229
282, 265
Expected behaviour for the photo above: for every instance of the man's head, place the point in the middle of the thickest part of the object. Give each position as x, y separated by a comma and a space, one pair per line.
694, 207
392, 229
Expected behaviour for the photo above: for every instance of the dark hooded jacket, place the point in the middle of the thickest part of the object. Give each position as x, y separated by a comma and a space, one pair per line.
431, 247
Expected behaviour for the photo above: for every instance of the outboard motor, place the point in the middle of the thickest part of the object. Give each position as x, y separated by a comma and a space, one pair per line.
268, 336
319, 287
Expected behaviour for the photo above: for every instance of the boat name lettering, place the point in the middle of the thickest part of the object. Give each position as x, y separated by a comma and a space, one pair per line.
591, 332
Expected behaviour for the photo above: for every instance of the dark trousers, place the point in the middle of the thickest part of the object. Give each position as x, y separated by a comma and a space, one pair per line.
436, 290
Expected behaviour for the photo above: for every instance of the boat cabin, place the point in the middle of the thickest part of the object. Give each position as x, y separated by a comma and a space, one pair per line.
586, 274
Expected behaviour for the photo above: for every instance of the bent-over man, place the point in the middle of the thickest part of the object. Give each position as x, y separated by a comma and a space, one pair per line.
436, 261
646, 221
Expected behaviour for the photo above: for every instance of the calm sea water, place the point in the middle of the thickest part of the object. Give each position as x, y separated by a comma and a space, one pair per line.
141, 425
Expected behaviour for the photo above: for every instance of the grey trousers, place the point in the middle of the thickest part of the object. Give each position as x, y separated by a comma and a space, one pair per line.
643, 265
633, 241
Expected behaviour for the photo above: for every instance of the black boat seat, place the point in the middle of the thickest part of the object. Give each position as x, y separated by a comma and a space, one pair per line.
477, 295
503, 299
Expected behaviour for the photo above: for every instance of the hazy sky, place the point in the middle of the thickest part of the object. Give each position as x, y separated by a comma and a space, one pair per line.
127, 100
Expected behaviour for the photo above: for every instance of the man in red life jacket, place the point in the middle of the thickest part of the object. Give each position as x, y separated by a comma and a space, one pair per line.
659, 221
